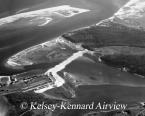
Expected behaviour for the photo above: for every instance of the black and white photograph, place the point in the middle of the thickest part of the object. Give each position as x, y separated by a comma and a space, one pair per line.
72, 57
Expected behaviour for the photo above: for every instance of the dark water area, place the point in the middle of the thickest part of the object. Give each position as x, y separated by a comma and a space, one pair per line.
15, 40
87, 94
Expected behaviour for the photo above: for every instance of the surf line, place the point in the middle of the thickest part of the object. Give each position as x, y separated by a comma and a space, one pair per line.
58, 81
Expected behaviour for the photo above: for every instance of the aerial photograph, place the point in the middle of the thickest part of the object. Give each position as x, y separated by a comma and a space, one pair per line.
72, 57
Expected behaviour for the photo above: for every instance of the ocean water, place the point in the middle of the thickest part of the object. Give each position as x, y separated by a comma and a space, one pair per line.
13, 40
